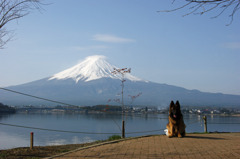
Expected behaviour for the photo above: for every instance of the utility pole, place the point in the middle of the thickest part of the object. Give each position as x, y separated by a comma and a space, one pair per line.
122, 71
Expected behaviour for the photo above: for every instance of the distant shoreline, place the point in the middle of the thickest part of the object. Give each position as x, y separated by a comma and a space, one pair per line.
116, 113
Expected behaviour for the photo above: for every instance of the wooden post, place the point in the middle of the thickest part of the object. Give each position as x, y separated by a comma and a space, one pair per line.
123, 129
205, 124
31, 140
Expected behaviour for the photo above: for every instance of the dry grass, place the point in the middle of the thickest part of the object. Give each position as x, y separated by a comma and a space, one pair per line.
39, 151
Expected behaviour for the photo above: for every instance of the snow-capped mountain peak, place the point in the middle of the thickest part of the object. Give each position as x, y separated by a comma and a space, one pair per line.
92, 68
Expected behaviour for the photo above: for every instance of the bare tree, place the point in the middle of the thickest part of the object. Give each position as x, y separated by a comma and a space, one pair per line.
11, 10
204, 6
122, 71
134, 97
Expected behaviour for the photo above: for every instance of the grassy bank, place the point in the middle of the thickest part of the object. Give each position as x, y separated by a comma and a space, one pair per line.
46, 151
39, 151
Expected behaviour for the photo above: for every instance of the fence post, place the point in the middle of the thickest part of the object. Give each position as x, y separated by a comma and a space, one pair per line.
205, 124
31, 140
123, 129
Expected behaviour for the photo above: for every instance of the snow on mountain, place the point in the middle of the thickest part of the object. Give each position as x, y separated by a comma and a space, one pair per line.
92, 68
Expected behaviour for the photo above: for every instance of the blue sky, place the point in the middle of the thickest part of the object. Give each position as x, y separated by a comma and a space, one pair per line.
194, 52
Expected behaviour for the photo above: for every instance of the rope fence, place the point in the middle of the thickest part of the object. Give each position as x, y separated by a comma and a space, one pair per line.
64, 131
201, 120
223, 123
103, 133
78, 132
82, 132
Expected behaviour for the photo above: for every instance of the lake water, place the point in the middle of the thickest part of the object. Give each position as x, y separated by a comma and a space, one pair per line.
136, 125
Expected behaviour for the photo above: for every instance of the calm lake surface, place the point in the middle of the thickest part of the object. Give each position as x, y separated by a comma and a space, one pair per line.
136, 125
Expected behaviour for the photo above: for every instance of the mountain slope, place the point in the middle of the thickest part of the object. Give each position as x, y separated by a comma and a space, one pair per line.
92, 68
91, 82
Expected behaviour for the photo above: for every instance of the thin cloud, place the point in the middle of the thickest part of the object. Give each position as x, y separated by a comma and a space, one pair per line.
232, 45
92, 47
111, 39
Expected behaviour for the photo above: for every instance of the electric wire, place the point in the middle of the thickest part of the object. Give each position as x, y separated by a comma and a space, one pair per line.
49, 100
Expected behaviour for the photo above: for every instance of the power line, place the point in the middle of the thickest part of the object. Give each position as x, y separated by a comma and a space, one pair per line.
49, 100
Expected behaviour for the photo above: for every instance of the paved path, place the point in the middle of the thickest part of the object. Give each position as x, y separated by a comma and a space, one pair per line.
219, 145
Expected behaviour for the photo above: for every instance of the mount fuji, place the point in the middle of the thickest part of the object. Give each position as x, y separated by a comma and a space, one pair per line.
92, 82
92, 68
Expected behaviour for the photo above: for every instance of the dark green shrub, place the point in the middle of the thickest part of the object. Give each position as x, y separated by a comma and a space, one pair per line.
114, 137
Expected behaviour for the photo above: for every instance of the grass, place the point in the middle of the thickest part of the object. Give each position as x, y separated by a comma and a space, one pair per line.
40, 151
46, 151
114, 137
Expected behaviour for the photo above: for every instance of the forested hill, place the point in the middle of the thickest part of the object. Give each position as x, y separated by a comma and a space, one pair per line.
6, 109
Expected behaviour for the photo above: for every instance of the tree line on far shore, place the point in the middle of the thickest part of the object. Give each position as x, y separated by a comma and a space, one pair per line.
5, 109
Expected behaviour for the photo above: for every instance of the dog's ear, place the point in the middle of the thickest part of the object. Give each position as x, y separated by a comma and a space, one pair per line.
171, 104
177, 104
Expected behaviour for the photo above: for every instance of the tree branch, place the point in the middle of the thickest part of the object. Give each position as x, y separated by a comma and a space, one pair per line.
11, 10
204, 6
